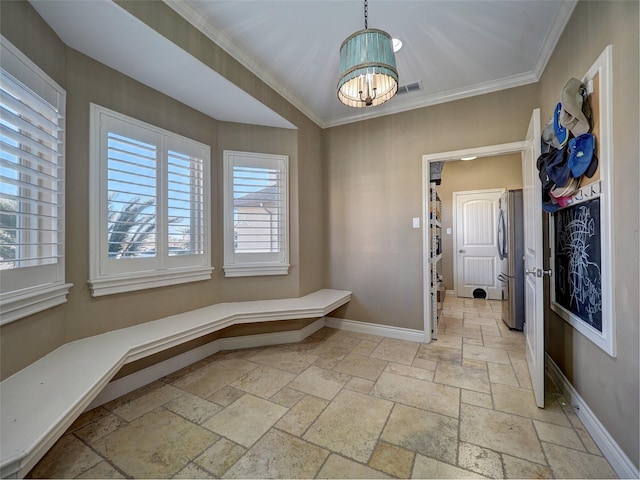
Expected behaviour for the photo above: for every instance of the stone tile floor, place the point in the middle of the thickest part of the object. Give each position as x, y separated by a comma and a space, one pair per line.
341, 405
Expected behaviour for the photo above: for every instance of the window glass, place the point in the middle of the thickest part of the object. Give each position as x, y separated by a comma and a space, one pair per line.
256, 214
32, 115
149, 206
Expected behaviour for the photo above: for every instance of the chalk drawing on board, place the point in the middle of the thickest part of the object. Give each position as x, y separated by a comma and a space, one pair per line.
577, 253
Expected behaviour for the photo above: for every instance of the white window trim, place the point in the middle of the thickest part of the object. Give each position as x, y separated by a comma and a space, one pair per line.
33, 298
234, 264
103, 283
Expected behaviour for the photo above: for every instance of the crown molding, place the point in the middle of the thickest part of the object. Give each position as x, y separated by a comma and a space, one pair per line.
555, 32
186, 10
192, 15
407, 104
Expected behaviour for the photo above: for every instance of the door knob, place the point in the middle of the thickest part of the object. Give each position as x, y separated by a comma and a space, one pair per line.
460, 251
538, 272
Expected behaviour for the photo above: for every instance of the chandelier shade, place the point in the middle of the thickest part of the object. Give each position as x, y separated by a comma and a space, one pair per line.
368, 74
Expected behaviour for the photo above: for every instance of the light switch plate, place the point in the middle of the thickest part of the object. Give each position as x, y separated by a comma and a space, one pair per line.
416, 222
448, 231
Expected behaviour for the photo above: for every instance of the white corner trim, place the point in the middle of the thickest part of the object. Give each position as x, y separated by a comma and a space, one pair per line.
21, 303
622, 465
131, 382
140, 281
562, 17
398, 333
251, 270
485, 151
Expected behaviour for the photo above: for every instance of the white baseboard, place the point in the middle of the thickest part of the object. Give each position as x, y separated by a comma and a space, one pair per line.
450, 292
399, 333
127, 384
622, 465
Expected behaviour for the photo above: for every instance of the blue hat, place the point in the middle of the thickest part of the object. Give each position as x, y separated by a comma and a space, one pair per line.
581, 155
561, 132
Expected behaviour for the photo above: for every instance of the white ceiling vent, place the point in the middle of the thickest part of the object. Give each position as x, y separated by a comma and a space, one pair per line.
409, 87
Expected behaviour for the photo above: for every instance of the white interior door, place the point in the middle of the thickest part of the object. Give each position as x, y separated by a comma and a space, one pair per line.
476, 258
533, 285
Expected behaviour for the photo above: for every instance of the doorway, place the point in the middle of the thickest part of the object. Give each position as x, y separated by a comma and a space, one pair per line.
452, 156
529, 150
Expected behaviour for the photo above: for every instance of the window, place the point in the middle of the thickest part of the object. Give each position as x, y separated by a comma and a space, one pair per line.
149, 204
255, 214
32, 112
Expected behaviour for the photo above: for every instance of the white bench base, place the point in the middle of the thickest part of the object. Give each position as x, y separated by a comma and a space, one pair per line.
41, 401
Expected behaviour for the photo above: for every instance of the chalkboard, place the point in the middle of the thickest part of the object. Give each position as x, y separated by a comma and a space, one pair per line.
577, 272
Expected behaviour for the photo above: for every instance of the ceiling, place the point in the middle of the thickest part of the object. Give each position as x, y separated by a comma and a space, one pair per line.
453, 49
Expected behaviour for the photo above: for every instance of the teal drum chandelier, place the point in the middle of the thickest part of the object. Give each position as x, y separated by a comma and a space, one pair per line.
368, 74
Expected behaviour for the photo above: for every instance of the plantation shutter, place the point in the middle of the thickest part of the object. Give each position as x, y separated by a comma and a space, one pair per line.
149, 204
185, 203
256, 211
258, 203
31, 181
131, 196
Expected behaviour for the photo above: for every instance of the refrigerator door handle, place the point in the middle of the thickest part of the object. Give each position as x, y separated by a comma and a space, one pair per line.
501, 236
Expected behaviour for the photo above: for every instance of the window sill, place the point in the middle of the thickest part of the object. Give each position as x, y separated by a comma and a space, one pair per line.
132, 282
255, 270
22, 303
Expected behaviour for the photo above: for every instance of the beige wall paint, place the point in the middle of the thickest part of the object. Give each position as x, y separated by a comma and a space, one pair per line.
609, 385
373, 188
21, 343
307, 190
86, 80
355, 207
373, 182
234, 136
503, 171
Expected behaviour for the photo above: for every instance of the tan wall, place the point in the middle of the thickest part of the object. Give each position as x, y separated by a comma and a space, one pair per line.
373, 188
234, 136
353, 226
24, 342
608, 385
308, 189
86, 80
373, 181
306, 192
504, 171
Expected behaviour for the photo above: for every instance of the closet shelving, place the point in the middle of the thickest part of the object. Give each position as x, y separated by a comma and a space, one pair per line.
435, 260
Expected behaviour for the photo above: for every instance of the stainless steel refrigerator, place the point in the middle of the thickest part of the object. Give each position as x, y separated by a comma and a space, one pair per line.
511, 251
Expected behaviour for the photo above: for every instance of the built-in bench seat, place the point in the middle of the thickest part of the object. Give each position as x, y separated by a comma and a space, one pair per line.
38, 403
